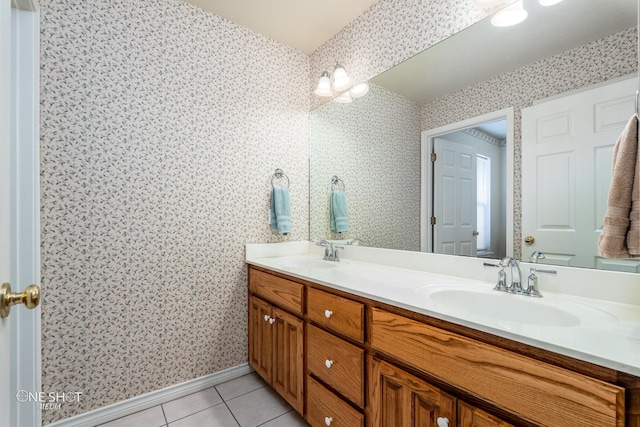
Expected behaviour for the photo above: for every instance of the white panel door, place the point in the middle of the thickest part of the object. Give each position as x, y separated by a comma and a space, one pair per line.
567, 148
19, 198
455, 189
6, 402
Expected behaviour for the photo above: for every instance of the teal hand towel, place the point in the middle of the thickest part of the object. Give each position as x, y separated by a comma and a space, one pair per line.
280, 210
338, 213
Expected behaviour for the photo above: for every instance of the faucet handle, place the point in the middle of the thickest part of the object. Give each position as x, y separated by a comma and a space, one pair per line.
323, 243
532, 283
335, 252
501, 285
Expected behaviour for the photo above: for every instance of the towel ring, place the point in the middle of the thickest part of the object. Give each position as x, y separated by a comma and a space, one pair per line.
337, 184
279, 176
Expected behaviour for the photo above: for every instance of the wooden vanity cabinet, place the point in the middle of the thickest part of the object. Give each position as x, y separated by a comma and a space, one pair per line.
276, 337
335, 360
508, 380
399, 399
470, 416
343, 360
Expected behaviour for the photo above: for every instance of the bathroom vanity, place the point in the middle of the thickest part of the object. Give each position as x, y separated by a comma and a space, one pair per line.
356, 355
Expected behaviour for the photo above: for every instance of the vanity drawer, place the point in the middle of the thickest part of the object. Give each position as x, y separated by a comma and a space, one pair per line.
336, 313
337, 363
508, 380
325, 408
281, 292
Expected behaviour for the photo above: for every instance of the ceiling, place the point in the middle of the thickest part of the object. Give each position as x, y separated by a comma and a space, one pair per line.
302, 24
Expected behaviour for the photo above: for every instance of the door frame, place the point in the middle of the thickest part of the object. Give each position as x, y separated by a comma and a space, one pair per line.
25, 325
426, 172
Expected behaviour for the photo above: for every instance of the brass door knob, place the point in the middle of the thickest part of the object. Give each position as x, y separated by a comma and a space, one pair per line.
30, 298
529, 240
475, 233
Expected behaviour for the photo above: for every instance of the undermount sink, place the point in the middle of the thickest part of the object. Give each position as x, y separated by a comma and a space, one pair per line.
505, 308
510, 308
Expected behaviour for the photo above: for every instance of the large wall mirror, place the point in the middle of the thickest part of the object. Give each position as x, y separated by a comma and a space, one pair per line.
376, 144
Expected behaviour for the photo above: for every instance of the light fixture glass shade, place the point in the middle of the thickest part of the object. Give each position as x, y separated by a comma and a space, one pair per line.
548, 2
486, 3
340, 79
344, 98
510, 15
324, 85
359, 90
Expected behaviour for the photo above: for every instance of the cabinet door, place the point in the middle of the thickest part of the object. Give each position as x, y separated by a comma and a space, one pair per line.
399, 399
288, 369
261, 338
470, 416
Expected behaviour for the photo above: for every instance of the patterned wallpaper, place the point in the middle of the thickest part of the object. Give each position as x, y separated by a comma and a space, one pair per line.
373, 145
599, 61
161, 126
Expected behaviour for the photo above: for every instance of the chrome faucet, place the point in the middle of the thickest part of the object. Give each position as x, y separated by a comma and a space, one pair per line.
516, 282
330, 250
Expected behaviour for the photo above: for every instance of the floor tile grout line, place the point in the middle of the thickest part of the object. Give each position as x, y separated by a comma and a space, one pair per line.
281, 415
240, 395
166, 421
231, 412
197, 412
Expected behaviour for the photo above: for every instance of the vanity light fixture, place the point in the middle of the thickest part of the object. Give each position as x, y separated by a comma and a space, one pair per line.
344, 98
359, 90
548, 2
340, 79
324, 86
510, 15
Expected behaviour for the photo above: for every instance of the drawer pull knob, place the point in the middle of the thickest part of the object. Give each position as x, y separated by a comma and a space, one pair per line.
266, 318
271, 320
328, 363
328, 313
443, 422
328, 420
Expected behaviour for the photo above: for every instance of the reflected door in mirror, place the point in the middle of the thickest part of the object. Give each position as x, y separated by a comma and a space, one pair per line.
567, 149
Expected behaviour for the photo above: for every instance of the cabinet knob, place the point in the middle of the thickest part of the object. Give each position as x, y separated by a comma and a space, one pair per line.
328, 313
328, 420
328, 363
442, 422
271, 320
266, 318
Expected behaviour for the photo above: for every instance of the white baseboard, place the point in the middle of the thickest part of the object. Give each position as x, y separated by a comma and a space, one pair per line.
154, 398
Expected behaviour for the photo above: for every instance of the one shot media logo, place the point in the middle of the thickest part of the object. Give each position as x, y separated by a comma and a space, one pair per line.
48, 401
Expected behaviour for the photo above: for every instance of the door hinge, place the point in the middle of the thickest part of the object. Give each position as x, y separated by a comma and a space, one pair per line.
433, 157
433, 220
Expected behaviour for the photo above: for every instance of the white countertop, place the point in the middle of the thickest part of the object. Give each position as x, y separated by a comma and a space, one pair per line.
602, 331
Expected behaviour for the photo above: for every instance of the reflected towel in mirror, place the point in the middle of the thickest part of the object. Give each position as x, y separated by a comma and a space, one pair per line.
338, 212
280, 211
620, 237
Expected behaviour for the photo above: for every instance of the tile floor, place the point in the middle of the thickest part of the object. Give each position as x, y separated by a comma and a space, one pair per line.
246, 401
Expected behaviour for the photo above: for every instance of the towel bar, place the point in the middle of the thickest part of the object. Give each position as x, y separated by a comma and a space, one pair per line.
337, 184
279, 175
